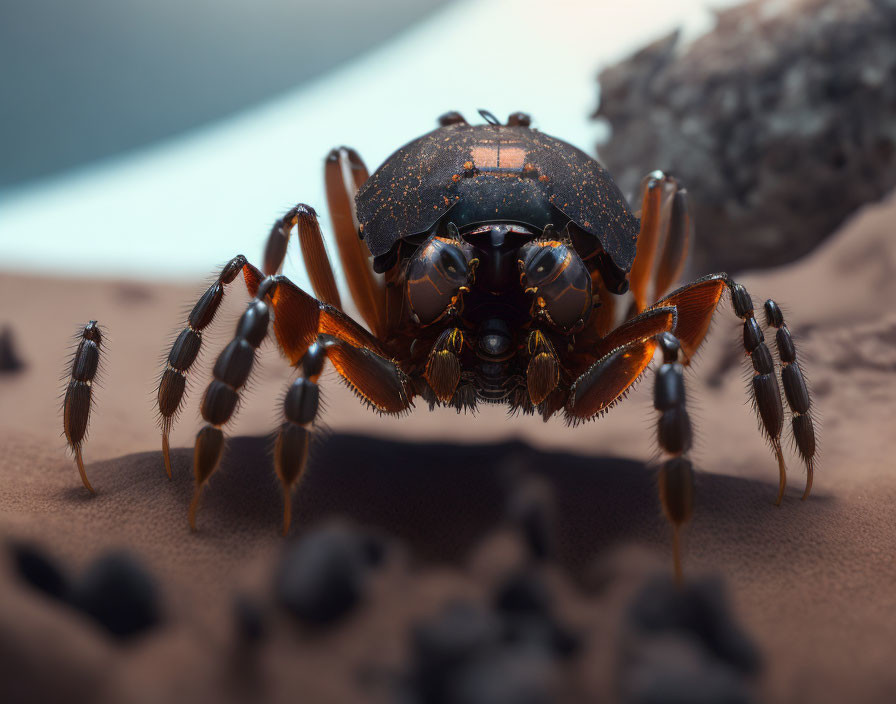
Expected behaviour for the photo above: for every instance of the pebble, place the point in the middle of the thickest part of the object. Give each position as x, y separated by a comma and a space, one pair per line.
531, 511
322, 577
10, 362
40, 571
119, 594
699, 608
249, 620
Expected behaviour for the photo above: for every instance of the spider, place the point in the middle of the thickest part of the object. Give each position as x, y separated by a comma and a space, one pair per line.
488, 262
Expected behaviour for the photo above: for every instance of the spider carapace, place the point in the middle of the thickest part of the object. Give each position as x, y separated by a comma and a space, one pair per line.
490, 267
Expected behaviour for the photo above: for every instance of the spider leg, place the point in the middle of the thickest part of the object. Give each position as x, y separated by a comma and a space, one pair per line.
376, 379
76, 407
607, 381
677, 229
314, 253
344, 174
795, 391
307, 331
657, 193
676, 475
185, 349
696, 304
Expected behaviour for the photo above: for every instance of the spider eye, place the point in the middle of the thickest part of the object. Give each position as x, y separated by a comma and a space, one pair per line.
436, 275
453, 264
545, 264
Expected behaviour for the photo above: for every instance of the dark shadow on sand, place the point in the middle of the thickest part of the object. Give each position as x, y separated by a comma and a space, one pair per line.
441, 499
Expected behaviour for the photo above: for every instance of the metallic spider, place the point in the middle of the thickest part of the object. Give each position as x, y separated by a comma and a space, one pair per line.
489, 268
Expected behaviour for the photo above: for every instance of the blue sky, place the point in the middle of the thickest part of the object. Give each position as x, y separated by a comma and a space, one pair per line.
182, 207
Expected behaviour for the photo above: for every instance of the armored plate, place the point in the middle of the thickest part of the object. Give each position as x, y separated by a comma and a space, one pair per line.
494, 173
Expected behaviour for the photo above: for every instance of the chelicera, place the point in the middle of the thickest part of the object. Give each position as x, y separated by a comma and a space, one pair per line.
490, 268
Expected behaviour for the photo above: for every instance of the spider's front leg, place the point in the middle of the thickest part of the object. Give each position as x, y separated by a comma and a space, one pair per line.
611, 376
308, 332
185, 350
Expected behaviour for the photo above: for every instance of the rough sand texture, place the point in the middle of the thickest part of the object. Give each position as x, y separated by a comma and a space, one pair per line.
814, 582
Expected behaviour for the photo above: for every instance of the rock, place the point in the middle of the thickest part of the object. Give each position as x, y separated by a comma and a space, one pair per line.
444, 646
249, 621
781, 123
40, 571
506, 677
10, 362
523, 593
119, 594
530, 510
322, 577
675, 669
699, 609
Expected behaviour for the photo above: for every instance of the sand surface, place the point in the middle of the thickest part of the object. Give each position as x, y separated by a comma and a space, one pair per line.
814, 582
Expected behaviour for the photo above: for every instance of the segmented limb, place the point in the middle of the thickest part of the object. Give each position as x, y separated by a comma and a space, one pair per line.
306, 329
377, 380
78, 392
676, 475
642, 267
185, 349
314, 253
604, 383
607, 381
344, 174
764, 384
230, 373
795, 390
677, 231
695, 304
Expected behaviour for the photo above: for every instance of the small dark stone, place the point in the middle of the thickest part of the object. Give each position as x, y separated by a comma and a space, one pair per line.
565, 643
249, 620
676, 670
10, 362
445, 645
526, 606
531, 511
699, 608
374, 549
506, 677
523, 593
322, 576
119, 594
40, 570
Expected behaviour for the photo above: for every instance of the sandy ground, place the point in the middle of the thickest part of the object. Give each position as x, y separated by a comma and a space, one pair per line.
814, 582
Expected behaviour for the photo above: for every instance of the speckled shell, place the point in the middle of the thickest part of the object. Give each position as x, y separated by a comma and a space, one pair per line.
494, 173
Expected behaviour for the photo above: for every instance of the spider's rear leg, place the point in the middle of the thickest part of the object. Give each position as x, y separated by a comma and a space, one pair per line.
185, 349
314, 253
795, 390
344, 174
665, 228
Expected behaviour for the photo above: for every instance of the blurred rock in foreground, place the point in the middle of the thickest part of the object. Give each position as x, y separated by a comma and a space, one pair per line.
781, 122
